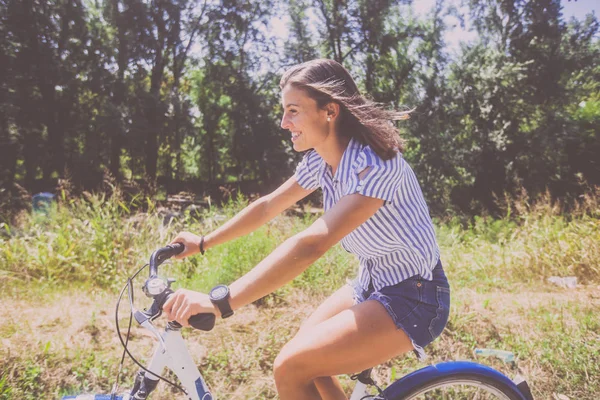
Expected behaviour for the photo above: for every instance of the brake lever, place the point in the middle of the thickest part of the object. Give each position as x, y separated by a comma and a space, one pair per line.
148, 325
145, 319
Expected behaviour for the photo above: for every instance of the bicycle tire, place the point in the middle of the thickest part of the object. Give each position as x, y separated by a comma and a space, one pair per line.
474, 380
92, 397
463, 387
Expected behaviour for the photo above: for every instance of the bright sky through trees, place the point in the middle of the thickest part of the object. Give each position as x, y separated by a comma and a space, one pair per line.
455, 34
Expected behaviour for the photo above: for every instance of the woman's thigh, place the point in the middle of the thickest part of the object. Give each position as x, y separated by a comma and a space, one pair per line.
340, 300
350, 341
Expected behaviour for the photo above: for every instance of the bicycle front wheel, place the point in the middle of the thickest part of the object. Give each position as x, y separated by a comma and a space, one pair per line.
461, 388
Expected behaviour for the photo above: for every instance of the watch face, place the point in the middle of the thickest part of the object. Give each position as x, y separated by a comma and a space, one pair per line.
219, 292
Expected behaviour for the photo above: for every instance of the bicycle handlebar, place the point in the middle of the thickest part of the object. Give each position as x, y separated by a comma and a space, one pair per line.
203, 321
163, 254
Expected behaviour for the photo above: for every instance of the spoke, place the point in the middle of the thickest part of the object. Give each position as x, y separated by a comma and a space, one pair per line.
476, 396
462, 389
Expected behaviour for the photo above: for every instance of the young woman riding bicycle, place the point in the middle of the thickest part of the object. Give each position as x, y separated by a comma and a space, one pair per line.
373, 205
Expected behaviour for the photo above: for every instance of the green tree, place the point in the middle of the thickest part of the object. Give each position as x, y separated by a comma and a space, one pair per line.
50, 36
515, 95
8, 149
191, 23
237, 115
299, 46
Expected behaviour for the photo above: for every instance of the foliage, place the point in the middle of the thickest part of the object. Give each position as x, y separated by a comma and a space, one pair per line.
93, 239
184, 94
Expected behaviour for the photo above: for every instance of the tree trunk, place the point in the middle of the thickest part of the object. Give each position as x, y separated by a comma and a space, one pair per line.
117, 132
56, 154
43, 62
153, 103
211, 122
154, 120
8, 151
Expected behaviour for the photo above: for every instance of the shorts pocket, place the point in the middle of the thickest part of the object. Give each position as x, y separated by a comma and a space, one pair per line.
438, 323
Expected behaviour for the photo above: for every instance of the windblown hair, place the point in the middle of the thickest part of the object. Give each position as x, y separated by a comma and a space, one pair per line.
327, 81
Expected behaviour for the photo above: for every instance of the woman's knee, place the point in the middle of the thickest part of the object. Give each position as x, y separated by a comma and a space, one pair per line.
306, 325
279, 366
291, 364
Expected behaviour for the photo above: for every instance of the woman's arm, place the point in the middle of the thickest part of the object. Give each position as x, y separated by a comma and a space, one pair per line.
248, 220
289, 260
297, 253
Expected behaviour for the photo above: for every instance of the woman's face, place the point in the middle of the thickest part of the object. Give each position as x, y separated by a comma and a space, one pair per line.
304, 119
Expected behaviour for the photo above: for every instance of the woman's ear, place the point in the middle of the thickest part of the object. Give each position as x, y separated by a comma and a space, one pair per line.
333, 111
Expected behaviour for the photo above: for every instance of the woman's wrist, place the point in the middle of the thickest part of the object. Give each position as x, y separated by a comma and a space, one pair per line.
208, 242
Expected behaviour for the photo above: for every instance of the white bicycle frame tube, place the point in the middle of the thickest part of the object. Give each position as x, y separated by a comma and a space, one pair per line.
176, 356
359, 392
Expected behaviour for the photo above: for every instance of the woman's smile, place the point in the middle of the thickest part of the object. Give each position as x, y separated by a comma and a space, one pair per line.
295, 136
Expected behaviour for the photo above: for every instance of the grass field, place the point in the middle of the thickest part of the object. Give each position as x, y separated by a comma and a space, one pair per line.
61, 275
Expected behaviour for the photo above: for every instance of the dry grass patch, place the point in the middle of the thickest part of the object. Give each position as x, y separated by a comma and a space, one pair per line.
71, 339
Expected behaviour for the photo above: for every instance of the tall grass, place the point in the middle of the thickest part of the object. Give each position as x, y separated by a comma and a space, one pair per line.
86, 240
532, 243
100, 240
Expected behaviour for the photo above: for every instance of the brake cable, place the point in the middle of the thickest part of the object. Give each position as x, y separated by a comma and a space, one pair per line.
129, 287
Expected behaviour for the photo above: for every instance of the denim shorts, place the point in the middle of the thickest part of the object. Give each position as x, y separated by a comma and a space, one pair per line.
417, 306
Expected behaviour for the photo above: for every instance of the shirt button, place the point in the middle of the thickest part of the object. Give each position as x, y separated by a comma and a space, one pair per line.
418, 284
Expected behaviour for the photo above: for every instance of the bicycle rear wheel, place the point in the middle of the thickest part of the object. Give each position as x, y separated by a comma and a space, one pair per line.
461, 388
461, 380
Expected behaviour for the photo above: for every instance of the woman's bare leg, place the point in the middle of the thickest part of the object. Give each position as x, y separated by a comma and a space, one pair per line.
352, 340
339, 301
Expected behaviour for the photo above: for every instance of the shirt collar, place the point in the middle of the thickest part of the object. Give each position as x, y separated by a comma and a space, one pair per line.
350, 154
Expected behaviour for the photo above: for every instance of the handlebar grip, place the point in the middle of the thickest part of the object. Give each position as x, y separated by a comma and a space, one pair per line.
204, 322
178, 248
163, 254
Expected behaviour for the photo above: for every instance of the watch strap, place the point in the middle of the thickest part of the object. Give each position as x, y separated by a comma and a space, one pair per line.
225, 309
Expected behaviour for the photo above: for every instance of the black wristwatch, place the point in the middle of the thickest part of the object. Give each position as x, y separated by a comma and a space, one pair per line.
219, 296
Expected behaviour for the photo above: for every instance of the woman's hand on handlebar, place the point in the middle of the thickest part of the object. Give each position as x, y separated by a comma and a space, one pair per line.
191, 243
183, 304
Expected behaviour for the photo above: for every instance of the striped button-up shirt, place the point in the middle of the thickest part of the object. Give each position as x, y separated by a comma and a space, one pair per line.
398, 241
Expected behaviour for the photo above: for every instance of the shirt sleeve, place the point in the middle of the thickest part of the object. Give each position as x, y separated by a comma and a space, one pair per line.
306, 171
382, 179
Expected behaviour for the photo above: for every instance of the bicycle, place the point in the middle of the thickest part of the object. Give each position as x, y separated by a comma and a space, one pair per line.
446, 380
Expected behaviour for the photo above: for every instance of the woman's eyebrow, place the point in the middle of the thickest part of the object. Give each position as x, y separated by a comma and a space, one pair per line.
291, 104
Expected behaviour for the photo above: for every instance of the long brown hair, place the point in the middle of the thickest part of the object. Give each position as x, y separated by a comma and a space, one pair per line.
328, 81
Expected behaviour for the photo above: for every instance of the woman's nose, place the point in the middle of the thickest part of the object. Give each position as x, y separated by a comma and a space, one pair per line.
285, 123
